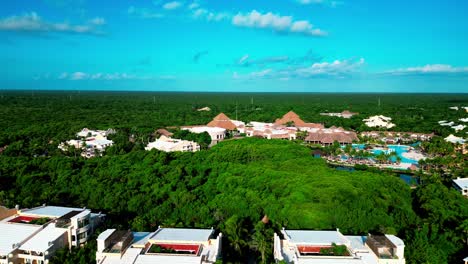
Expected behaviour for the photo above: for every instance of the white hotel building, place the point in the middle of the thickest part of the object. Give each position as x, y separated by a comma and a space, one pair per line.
34, 235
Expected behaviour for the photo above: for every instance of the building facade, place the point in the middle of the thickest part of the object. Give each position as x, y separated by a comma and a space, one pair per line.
165, 245
34, 235
332, 247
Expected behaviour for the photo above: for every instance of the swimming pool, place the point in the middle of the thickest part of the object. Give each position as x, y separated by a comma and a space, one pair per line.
399, 149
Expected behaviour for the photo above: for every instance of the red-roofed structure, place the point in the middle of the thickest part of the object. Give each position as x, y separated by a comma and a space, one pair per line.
222, 121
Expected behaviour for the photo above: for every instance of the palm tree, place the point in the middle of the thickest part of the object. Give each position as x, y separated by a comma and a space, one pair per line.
236, 233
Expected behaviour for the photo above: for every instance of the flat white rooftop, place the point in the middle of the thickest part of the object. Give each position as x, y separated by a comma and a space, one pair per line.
13, 234
40, 242
49, 211
461, 182
311, 237
151, 259
182, 234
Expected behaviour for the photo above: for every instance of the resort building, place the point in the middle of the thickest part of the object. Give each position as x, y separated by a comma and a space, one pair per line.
223, 121
34, 235
455, 140
292, 119
204, 109
270, 131
461, 184
217, 134
345, 114
85, 133
379, 121
91, 142
332, 247
168, 144
165, 245
391, 137
327, 136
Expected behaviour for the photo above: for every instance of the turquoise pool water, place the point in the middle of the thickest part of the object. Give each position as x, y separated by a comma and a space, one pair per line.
399, 149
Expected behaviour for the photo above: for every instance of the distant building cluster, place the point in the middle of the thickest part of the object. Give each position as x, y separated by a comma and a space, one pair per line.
391, 137
34, 235
91, 142
453, 125
379, 121
345, 114
168, 144
165, 245
332, 247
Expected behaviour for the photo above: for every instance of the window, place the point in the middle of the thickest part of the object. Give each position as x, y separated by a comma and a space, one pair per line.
83, 222
73, 238
81, 236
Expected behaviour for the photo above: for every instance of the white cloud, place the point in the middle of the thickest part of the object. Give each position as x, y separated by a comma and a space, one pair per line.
143, 13
275, 22
335, 69
194, 5
80, 76
172, 5
202, 13
428, 70
98, 21
32, 22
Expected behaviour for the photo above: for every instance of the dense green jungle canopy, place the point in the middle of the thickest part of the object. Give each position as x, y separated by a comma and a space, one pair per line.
233, 185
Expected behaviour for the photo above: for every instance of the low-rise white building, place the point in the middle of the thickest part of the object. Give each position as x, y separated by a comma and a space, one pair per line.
85, 132
217, 134
332, 247
165, 245
379, 121
345, 114
461, 184
90, 142
34, 235
168, 144
455, 140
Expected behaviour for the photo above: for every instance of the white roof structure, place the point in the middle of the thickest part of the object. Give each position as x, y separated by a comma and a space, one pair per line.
182, 234
461, 182
207, 247
104, 235
206, 109
454, 108
302, 247
168, 144
446, 123
50, 211
463, 119
396, 240
14, 234
202, 129
459, 127
151, 259
454, 139
379, 121
40, 242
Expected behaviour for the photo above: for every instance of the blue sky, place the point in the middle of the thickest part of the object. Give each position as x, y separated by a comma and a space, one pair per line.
255, 45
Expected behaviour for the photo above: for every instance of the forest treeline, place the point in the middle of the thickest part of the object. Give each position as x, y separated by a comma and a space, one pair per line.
230, 187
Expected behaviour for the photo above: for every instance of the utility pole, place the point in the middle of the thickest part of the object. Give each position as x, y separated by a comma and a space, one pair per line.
236, 111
